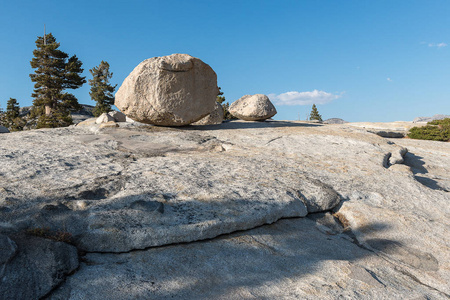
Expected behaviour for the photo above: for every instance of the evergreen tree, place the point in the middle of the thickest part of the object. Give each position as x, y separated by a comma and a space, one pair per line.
226, 113
315, 114
12, 109
54, 73
12, 118
101, 90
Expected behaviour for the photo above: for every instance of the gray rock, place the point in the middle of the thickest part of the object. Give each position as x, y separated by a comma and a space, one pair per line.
3, 129
172, 90
104, 118
8, 249
429, 119
37, 268
86, 112
118, 116
334, 121
253, 108
389, 134
214, 118
317, 195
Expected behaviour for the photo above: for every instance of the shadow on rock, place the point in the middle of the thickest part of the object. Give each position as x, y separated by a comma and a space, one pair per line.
417, 166
415, 163
271, 260
415, 258
249, 125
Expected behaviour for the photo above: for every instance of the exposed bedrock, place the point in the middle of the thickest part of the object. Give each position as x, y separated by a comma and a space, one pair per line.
384, 232
33, 266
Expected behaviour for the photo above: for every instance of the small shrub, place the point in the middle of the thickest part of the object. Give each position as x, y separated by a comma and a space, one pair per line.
437, 130
343, 220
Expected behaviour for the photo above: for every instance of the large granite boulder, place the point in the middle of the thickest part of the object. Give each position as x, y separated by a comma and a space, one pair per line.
214, 118
253, 108
172, 90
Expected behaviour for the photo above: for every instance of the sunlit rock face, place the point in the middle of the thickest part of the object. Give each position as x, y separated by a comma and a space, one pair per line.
253, 108
172, 90
320, 211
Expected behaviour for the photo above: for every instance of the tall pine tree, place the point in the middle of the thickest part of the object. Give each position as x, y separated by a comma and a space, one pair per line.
55, 72
101, 90
315, 114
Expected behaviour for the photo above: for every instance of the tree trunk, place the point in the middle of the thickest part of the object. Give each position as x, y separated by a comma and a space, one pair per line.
48, 110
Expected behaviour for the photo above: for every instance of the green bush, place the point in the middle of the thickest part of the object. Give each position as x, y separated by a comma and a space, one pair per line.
437, 130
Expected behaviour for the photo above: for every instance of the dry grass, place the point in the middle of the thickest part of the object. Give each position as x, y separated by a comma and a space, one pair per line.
343, 220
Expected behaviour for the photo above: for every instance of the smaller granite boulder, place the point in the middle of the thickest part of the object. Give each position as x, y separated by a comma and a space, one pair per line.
118, 116
253, 108
215, 117
3, 129
104, 118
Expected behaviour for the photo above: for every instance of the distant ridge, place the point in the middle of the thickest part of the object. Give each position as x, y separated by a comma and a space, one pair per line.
429, 119
335, 121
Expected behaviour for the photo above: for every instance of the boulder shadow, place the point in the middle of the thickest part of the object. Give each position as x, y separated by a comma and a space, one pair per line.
227, 125
227, 265
417, 166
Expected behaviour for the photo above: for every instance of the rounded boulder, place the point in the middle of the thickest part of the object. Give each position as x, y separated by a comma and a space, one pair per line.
172, 90
253, 108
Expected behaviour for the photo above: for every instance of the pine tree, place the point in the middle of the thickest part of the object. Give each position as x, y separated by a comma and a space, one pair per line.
226, 113
12, 118
54, 73
315, 114
101, 90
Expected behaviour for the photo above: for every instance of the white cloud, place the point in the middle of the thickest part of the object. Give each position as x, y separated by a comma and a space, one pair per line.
388, 79
303, 98
438, 45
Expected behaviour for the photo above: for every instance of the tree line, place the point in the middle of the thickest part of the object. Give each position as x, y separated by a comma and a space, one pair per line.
55, 73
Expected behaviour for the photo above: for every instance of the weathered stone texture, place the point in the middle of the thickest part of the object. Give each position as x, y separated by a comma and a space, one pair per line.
172, 90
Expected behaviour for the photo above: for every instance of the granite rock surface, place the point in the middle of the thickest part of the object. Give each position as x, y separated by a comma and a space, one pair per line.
253, 108
348, 213
172, 90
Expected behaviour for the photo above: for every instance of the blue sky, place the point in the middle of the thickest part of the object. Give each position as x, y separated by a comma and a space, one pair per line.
357, 60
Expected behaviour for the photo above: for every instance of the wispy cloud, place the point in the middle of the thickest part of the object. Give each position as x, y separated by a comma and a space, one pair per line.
304, 98
437, 45
389, 79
